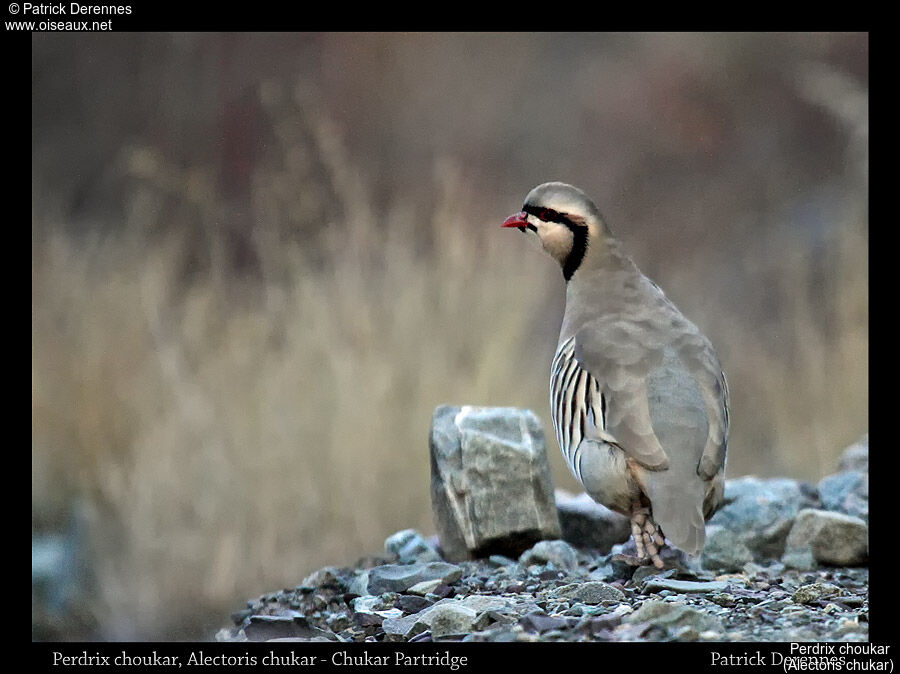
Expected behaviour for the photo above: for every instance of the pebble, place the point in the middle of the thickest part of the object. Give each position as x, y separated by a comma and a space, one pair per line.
814, 591
451, 620
410, 546
591, 592
831, 538
683, 586
401, 577
673, 616
558, 552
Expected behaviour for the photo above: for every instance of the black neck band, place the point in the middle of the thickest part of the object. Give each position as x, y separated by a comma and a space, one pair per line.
579, 248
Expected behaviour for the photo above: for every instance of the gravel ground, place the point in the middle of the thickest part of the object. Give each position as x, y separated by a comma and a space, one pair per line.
784, 561
555, 592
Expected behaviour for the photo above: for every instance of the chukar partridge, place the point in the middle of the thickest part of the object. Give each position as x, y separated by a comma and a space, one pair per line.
637, 395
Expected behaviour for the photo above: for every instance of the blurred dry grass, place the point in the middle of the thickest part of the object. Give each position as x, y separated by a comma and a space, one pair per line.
236, 383
239, 434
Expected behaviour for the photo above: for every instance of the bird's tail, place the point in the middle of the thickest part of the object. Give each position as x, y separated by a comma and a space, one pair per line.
677, 506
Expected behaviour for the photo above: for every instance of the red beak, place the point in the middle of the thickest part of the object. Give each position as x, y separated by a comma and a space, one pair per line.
517, 220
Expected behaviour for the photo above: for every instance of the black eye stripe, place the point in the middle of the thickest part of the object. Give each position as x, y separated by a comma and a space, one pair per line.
545, 214
548, 215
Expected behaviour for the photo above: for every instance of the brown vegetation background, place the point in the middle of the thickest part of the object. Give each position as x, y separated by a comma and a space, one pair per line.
259, 261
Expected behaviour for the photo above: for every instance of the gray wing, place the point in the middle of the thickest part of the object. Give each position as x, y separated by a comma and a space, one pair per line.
655, 374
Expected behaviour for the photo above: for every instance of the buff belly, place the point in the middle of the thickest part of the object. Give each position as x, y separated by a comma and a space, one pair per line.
606, 475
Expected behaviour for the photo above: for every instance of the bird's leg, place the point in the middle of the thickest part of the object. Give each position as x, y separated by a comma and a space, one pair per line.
648, 537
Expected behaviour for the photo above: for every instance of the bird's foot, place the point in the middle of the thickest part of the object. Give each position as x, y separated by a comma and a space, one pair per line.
648, 537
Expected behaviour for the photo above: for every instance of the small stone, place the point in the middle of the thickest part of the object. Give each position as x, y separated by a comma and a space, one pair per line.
811, 592
443, 591
480, 603
853, 600
401, 627
359, 584
673, 616
227, 634
410, 546
623, 566
290, 625
683, 586
339, 621
856, 457
451, 620
724, 599
833, 538
558, 552
501, 561
424, 588
366, 604
368, 619
623, 610
401, 577
641, 574
540, 622
604, 623
592, 592
326, 577
412, 604
410, 625
238, 617
603, 572
487, 618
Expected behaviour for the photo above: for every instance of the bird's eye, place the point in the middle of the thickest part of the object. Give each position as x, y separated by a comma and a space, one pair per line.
548, 215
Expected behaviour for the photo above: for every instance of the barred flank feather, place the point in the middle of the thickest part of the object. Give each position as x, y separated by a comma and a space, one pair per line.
574, 395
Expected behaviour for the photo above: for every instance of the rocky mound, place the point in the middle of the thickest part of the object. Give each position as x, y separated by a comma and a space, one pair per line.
784, 561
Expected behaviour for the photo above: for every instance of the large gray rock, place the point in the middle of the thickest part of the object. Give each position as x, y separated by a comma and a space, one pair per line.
833, 539
491, 490
588, 524
757, 515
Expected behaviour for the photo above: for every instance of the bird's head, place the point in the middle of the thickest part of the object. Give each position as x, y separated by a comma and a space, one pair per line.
564, 219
